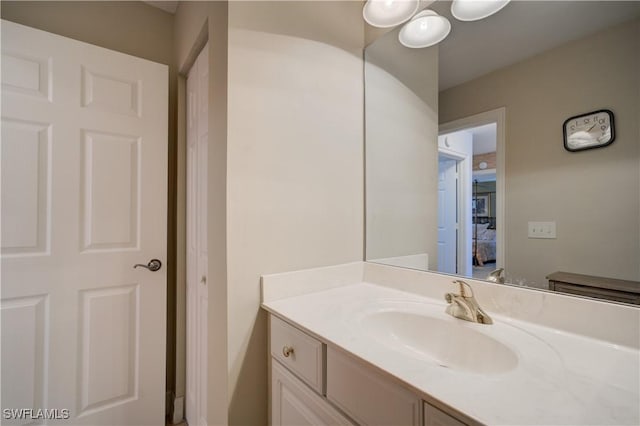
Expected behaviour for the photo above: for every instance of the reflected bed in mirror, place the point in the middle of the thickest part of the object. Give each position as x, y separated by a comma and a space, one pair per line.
466, 169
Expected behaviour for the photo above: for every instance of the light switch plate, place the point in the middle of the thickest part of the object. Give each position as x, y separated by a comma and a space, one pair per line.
542, 230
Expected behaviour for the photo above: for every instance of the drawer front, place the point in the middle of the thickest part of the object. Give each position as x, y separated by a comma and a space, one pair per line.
299, 352
367, 397
294, 404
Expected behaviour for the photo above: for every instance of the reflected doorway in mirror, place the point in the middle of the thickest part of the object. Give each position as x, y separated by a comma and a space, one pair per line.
480, 225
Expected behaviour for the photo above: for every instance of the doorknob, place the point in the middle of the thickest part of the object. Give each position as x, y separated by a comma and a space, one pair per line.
153, 265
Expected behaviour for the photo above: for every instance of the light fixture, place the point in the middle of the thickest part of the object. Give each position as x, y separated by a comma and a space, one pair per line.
425, 29
474, 10
389, 13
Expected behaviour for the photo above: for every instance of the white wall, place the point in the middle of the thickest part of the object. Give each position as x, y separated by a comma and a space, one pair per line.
401, 152
295, 164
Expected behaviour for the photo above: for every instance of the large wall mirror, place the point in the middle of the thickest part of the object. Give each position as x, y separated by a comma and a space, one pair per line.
466, 169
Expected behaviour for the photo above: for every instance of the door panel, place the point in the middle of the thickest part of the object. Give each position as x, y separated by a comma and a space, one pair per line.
108, 346
26, 154
110, 201
84, 198
447, 214
111, 93
24, 337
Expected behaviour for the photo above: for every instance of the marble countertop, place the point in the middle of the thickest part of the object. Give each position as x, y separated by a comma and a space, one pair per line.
559, 378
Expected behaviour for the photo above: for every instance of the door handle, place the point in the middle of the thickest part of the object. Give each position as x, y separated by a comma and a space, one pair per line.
153, 265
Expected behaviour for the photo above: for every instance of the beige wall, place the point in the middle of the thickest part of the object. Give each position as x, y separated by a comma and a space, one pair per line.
137, 29
594, 196
126, 26
295, 164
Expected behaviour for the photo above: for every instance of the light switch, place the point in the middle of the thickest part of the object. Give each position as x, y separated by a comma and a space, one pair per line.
542, 230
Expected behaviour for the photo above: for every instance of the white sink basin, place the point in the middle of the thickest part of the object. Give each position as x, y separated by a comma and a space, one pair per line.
447, 341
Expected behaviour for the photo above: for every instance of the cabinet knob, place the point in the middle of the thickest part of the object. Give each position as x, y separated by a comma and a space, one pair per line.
287, 351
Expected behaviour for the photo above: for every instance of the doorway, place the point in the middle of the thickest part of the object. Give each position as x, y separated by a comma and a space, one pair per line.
480, 193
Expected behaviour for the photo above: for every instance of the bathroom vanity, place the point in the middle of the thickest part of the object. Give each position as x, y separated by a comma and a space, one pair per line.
315, 382
371, 344
339, 384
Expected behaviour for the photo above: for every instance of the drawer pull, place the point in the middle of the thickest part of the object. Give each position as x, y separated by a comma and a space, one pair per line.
286, 351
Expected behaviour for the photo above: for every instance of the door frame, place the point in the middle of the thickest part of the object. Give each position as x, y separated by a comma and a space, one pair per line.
196, 268
497, 116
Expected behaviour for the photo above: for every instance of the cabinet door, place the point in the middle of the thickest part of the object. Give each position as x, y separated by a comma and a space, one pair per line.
366, 396
436, 417
294, 404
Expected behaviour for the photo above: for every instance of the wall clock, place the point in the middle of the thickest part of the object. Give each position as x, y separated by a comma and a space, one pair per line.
591, 130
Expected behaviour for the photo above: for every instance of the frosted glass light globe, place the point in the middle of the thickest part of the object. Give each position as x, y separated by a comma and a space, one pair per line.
389, 13
425, 29
474, 10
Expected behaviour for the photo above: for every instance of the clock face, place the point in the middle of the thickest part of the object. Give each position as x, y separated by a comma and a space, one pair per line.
591, 130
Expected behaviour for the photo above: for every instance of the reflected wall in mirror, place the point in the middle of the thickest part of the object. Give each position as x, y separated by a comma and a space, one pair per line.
534, 64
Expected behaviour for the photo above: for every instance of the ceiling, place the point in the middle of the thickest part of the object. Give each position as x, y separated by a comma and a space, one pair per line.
521, 30
484, 138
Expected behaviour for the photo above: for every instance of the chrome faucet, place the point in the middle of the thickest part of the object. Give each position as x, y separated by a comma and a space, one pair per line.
496, 276
465, 306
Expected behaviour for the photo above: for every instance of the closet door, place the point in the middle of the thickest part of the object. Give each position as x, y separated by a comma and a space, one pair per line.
197, 253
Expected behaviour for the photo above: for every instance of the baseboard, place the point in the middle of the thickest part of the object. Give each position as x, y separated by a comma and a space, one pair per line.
178, 409
168, 402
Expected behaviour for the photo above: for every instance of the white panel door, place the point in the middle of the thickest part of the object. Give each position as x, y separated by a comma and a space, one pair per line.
84, 198
197, 253
447, 215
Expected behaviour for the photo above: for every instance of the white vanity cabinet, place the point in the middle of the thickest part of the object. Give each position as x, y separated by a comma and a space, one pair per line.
298, 379
312, 384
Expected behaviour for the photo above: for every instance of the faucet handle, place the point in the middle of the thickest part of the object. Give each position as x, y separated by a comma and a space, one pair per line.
462, 284
496, 276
